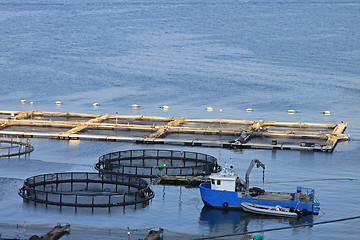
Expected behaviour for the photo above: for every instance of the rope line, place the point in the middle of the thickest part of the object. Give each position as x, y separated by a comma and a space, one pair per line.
214, 196
314, 180
280, 228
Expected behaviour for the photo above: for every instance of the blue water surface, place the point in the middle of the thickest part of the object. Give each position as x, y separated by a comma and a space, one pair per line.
270, 56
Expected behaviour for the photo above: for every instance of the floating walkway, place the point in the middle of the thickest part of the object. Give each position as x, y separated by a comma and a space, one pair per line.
84, 189
240, 134
153, 163
10, 147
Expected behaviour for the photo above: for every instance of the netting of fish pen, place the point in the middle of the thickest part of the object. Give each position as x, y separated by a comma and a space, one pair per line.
10, 147
154, 163
84, 189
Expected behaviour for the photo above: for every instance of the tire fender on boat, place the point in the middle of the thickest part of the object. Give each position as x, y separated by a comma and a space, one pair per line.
304, 212
225, 204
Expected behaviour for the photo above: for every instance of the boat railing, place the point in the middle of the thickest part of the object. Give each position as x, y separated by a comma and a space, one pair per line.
309, 194
316, 202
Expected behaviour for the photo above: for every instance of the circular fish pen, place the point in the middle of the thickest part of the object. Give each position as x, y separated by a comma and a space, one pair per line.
83, 189
151, 163
10, 147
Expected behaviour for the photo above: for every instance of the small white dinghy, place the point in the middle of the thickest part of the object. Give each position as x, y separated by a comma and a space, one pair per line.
267, 210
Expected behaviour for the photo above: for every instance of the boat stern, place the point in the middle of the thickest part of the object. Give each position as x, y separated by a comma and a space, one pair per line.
316, 208
307, 200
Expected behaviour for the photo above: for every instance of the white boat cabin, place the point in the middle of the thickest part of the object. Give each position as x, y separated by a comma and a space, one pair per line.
226, 180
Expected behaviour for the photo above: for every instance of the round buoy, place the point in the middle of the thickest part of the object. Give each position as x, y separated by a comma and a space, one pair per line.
58, 103
96, 104
31, 103
22, 101
258, 237
291, 111
249, 110
209, 109
135, 106
327, 112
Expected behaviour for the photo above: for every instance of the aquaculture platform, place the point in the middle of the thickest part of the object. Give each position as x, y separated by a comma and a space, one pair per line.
177, 131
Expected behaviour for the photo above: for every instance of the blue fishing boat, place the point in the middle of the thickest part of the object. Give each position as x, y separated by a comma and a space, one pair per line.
226, 190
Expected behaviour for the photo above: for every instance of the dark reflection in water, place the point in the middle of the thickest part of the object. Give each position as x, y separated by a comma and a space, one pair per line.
241, 222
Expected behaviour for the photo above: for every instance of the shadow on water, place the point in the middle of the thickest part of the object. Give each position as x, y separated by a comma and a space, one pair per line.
239, 222
71, 211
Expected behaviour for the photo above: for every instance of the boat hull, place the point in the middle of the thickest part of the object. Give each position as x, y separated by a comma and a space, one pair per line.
266, 210
232, 200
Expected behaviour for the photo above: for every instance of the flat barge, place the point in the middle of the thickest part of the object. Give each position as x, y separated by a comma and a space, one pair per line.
226, 133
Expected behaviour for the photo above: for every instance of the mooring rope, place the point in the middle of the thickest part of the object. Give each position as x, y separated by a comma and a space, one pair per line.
280, 228
314, 180
216, 195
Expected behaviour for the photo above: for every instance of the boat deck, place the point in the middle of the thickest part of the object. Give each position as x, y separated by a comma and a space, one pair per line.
276, 196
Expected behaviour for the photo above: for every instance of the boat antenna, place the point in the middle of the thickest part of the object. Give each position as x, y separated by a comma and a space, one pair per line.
231, 166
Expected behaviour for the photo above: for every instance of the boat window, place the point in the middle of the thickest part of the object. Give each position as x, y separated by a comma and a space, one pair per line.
218, 182
212, 181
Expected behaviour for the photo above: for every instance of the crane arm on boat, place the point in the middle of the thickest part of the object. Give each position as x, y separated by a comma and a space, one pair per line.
251, 166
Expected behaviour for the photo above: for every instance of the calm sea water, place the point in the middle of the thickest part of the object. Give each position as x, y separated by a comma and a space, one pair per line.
267, 55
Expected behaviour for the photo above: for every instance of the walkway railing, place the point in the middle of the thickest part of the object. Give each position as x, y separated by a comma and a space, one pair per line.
154, 163
84, 189
10, 147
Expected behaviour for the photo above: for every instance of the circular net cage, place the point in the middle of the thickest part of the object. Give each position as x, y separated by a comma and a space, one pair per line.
154, 163
83, 189
10, 147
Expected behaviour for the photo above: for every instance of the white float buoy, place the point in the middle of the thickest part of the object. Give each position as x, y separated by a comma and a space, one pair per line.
135, 106
31, 103
291, 111
249, 110
209, 109
22, 101
96, 104
326, 112
58, 103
